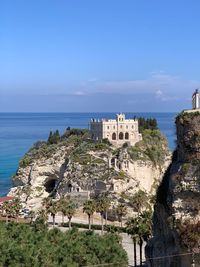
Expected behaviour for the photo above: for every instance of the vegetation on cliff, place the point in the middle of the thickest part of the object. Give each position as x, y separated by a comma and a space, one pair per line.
153, 147
176, 224
78, 161
189, 233
149, 123
186, 116
77, 140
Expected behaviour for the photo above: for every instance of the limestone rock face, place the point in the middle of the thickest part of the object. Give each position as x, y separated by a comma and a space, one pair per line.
177, 210
79, 166
188, 137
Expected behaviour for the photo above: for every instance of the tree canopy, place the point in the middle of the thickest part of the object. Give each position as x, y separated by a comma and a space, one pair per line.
149, 123
24, 246
54, 138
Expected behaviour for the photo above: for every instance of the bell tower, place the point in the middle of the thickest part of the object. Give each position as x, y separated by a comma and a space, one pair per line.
120, 117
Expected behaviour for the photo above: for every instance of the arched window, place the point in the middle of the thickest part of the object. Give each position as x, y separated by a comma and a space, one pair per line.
121, 136
126, 136
69, 188
113, 162
114, 136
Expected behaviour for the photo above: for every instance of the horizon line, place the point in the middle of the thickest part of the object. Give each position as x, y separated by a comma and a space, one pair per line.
84, 112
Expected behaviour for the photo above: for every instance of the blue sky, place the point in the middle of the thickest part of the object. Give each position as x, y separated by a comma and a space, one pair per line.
102, 55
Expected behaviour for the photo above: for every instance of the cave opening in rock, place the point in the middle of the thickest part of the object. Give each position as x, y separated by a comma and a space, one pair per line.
50, 185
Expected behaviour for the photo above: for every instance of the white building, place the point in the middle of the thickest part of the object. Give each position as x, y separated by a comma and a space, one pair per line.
195, 99
118, 131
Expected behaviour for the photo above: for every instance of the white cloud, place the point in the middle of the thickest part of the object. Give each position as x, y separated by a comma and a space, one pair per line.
159, 93
79, 93
160, 96
92, 80
159, 85
162, 86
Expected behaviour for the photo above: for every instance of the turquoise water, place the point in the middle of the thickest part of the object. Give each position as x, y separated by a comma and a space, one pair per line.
18, 132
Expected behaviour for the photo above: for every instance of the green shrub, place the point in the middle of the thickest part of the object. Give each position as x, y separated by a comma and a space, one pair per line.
53, 138
25, 161
83, 133
153, 147
106, 141
186, 116
82, 159
96, 227
122, 174
149, 123
25, 245
185, 168
100, 146
125, 145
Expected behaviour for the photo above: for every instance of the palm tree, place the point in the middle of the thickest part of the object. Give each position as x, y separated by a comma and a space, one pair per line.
144, 229
62, 204
70, 211
53, 209
46, 203
27, 191
139, 201
89, 208
43, 215
107, 203
140, 230
121, 211
132, 229
17, 206
102, 205
31, 215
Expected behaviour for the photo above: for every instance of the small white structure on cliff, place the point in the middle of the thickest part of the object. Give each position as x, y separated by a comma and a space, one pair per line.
118, 131
195, 103
195, 99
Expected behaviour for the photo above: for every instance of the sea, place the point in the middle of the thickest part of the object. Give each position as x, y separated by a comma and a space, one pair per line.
19, 131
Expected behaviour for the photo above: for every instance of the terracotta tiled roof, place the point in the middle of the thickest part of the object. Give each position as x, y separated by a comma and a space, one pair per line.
3, 199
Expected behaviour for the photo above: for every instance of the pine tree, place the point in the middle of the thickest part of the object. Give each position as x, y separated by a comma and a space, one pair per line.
50, 137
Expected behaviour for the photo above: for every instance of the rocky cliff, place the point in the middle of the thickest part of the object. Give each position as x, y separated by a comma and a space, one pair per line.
75, 165
176, 227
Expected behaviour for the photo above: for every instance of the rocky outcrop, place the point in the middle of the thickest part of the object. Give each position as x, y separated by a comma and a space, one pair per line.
77, 166
177, 211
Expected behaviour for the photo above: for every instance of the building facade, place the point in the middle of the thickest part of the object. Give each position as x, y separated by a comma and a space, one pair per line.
118, 131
